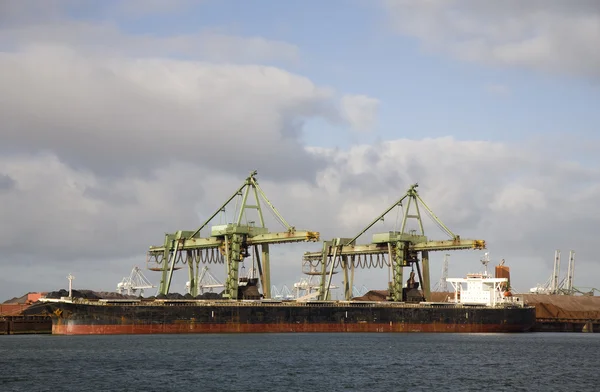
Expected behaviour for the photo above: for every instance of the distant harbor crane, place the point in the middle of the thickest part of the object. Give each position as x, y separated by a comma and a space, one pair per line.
206, 282
134, 282
284, 293
308, 288
570, 273
359, 291
554, 285
442, 285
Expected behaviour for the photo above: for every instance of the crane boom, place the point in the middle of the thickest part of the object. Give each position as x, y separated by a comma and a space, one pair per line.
382, 248
186, 243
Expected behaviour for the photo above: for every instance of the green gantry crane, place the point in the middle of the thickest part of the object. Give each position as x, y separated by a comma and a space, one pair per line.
227, 244
400, 248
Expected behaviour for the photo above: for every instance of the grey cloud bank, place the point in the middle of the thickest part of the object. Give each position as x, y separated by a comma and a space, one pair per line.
103, 151
548, 35
473, 191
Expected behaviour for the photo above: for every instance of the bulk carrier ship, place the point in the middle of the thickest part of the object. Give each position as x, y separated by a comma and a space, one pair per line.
481, 303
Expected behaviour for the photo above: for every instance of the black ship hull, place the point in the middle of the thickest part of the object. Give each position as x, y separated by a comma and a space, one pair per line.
201, 316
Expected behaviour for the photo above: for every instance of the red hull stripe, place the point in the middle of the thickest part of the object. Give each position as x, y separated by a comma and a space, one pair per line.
79, 329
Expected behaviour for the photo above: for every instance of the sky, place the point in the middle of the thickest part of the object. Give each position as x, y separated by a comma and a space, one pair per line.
124, 120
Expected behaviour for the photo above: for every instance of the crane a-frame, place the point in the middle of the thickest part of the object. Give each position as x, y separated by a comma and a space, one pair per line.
227, 244
400, 248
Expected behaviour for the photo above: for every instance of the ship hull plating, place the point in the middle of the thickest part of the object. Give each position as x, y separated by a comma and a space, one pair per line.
198, 317
79, 329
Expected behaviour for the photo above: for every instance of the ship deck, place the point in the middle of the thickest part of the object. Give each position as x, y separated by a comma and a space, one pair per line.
275, 303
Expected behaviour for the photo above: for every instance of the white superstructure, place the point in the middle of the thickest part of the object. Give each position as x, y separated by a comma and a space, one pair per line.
481, 289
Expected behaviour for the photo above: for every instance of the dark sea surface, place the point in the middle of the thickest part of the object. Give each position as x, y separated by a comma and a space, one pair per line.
302, 362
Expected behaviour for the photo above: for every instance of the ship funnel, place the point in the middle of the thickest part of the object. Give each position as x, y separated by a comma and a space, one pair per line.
502, 271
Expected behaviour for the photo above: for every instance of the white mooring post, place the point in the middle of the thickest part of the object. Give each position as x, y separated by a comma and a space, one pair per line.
70, 277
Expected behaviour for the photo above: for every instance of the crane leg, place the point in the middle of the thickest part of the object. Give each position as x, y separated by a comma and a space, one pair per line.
325, 257
165, 272
172, 267
163, 278
398, 261
347, 286
336, 243
266, 267
163, 287
233, 257
192, 276
426, 281
266, 288
351, 274
197, 278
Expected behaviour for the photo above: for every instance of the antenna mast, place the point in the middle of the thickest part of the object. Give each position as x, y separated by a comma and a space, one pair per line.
70, 277
485, 261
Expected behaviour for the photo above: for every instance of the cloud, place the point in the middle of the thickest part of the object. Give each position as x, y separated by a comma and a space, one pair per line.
222, 47
67, 212
106, 144
104, 92
108, 39
109, 141
29, 12
360, 111
6, 183
51, 24
547, 35
521, 201
118, 114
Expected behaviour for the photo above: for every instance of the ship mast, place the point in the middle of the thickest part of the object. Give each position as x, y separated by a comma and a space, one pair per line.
71, 278
485, 261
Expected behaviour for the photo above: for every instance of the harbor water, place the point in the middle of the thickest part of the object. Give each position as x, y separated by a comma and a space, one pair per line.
301, 362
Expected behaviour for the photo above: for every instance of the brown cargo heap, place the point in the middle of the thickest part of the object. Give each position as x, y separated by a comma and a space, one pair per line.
565, 313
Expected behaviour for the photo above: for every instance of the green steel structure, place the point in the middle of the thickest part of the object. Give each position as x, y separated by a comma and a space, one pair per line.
400, 248
227, 244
